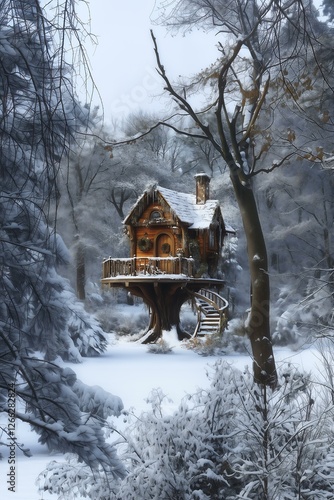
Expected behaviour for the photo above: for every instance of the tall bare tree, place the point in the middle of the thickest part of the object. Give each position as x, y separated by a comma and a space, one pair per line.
83, 185
263, 52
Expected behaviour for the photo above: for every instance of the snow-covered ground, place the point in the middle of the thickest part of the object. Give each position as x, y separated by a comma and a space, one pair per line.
128, 370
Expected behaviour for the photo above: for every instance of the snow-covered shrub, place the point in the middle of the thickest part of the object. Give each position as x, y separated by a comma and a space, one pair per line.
286, 317
160, 347
236, 440
233, 440
208, 345
287, 331
70, 480
232, 340
85, 331
301, 316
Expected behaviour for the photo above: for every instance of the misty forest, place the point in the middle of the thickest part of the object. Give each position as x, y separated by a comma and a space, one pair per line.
259, 121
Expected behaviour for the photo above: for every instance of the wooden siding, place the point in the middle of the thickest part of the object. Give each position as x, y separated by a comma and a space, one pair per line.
154, 230
153, 234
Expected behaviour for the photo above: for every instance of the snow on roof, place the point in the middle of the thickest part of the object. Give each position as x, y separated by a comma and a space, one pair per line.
185, 207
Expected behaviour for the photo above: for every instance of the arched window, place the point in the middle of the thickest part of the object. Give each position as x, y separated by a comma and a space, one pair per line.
155, 215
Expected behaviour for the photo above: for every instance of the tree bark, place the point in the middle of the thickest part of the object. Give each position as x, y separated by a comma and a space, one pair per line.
80, 271
258, 321
165, 301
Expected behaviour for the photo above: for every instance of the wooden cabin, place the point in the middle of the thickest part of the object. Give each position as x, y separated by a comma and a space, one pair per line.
169, 227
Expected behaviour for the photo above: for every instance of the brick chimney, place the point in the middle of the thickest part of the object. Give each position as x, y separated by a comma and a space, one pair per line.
202, 188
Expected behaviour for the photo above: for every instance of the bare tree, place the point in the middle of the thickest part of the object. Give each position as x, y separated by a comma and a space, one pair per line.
259, 45
85, 178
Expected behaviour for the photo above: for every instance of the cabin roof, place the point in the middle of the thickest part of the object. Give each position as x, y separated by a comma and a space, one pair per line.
188, 211
184, 207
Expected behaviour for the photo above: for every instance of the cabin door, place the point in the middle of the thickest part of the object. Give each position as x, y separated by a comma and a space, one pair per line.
164, 249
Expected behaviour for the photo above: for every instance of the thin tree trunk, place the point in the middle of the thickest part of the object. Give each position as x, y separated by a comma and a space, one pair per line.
80, 271
258, 322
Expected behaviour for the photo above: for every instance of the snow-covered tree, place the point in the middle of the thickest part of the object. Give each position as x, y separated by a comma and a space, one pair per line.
83, 216
39, 317
298, 201
234, 440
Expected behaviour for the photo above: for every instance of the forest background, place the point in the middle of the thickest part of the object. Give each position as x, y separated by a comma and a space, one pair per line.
66, 185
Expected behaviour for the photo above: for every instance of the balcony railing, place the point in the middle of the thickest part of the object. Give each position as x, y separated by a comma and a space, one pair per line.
141, 266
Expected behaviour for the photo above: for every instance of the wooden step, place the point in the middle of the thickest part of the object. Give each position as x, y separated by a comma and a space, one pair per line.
208, 325
210, 321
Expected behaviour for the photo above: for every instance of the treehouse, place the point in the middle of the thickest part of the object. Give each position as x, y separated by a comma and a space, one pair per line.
175, 247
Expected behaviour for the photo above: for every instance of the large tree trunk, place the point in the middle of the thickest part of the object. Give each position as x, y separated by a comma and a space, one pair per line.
258, 322
165, 301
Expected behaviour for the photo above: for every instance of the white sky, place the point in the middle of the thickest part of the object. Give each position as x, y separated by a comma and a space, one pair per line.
123, 63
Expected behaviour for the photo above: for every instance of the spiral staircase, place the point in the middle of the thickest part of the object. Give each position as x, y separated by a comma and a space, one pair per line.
212, 313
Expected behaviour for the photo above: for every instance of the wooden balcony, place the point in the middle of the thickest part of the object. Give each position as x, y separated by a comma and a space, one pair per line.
147, 266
